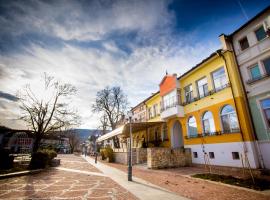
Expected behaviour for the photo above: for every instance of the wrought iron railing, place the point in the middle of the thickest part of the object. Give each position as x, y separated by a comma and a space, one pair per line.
211, 92
216, 133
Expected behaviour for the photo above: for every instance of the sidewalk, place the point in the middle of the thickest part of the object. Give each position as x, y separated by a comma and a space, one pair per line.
138, 187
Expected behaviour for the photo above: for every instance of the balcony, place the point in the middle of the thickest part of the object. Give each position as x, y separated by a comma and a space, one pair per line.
171, 108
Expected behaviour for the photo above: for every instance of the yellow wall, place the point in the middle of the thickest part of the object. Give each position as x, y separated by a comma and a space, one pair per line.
150, 103
215, 102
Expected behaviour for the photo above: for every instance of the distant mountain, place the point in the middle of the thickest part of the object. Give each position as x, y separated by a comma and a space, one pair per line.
85, 133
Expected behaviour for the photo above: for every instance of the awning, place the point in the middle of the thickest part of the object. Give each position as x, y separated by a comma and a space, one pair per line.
113, 133
136, 127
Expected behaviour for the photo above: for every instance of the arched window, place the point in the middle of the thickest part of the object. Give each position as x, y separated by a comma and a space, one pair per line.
192, 127
208, 123
229, 119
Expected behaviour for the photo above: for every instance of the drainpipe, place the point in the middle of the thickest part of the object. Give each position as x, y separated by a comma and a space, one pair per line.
261, 163
219, 53
258, 151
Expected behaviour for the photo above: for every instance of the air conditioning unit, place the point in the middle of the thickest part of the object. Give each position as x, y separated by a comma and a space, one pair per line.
266, 25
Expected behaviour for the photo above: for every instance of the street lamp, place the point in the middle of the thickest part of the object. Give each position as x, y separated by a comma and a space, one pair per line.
130, 147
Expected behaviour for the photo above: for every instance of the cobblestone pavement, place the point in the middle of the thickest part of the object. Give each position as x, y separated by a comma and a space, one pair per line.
197, 189
59, 184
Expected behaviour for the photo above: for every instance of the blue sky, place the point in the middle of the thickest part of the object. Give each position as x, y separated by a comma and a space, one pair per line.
92, 44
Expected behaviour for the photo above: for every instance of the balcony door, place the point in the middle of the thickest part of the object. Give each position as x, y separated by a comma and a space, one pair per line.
177, 135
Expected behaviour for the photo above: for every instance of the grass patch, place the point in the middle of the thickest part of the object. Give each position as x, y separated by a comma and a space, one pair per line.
260, 184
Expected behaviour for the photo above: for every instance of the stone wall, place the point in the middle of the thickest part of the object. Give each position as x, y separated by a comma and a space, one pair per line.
139, 155
166, 157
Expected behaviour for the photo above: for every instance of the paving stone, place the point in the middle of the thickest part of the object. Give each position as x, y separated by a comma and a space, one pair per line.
58, 184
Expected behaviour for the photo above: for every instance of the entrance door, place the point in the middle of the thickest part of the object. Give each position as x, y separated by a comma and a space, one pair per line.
177, 136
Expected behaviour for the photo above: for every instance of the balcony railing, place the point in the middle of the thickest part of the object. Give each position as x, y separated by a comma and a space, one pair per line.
211, 92
253, 80
216, 133
170, 103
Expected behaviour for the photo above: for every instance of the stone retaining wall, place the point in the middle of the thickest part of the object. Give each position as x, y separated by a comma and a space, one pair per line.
139, 155
158, 158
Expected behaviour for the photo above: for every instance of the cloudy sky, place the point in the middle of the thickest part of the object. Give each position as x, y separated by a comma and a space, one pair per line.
92, 44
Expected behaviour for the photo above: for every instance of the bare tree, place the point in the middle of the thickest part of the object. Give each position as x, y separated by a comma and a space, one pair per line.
74, 139
112, 104
47, 111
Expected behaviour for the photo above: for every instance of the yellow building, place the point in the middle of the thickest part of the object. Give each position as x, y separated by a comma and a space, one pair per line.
205, 110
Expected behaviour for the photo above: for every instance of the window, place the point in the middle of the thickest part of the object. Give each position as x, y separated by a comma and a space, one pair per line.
219, 79
188, 93
229, 119
155, 108
255, 72
266, 110
266, 64
211, 155
195, 154
208, 123
192, 127
244, 43
235, 155
149, 113
164, 132
169, 100
202, 87
260, 33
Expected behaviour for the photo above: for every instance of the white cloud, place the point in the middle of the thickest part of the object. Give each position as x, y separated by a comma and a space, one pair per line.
90, 69
73, 20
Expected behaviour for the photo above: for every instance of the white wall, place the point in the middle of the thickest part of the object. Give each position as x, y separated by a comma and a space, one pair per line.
223, 154
265, 150
256, 53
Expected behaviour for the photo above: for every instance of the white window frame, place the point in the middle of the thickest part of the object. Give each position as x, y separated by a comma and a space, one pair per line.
220, 116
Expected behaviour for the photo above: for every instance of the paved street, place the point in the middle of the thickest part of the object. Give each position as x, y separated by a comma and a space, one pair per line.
74, 179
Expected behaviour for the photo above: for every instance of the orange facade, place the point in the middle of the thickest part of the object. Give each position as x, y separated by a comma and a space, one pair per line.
167, 84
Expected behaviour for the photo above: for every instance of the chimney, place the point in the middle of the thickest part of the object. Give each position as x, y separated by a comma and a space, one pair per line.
225, 42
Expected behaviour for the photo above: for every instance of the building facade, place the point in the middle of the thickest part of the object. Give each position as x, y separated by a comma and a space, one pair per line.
251, 45
207, 113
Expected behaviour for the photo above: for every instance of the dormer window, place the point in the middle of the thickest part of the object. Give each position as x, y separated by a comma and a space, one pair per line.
244, 43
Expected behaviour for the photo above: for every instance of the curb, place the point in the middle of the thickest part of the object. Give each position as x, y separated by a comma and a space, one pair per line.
22, 173
265, 192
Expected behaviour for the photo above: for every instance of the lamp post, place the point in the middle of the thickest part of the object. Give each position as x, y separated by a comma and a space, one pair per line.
130, 148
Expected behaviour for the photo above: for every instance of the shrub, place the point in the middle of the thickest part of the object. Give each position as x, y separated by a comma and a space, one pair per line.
42, 158
39, 160
6, 159
107, 153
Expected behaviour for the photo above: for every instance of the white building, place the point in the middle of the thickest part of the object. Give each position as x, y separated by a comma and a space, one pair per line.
251, 45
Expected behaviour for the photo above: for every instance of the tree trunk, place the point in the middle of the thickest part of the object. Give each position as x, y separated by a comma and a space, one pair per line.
36, 144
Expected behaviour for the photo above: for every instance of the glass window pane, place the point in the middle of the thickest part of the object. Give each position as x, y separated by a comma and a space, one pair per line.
192, 126
219, 78
208, 122
202, 87
260, 33
225, 122
234, 122
265, 103
227, 109
266, 64
244, 43
255, 72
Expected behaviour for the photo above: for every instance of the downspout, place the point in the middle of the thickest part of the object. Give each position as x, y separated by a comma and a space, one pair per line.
219, 53
258, 151
261, 163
